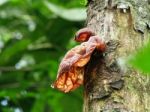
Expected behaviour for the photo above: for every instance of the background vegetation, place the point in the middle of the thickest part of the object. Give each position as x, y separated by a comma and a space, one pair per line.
34, 35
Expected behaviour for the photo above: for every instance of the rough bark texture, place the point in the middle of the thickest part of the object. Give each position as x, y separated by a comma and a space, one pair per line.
111, 86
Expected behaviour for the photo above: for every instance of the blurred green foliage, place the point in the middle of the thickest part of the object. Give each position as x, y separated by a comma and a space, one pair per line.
34, 36
141, 59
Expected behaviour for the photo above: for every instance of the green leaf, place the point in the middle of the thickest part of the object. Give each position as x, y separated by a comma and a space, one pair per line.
74, 14
141, 60
10, 51
84, 2
39, 105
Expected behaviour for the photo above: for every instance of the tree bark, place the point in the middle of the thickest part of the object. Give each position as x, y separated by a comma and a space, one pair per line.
110, 85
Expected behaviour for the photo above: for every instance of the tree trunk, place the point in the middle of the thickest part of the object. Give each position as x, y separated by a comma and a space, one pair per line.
111, 86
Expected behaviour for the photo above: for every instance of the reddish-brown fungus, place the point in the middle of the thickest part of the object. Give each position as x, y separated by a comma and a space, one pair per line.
71, 70
83, 35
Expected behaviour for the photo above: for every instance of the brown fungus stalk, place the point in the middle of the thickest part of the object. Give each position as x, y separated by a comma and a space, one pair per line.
71, 69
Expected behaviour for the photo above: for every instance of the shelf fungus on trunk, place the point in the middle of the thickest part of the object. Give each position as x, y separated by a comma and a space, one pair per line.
71, 69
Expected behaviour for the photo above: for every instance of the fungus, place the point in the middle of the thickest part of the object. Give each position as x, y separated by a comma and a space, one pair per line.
71, 69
